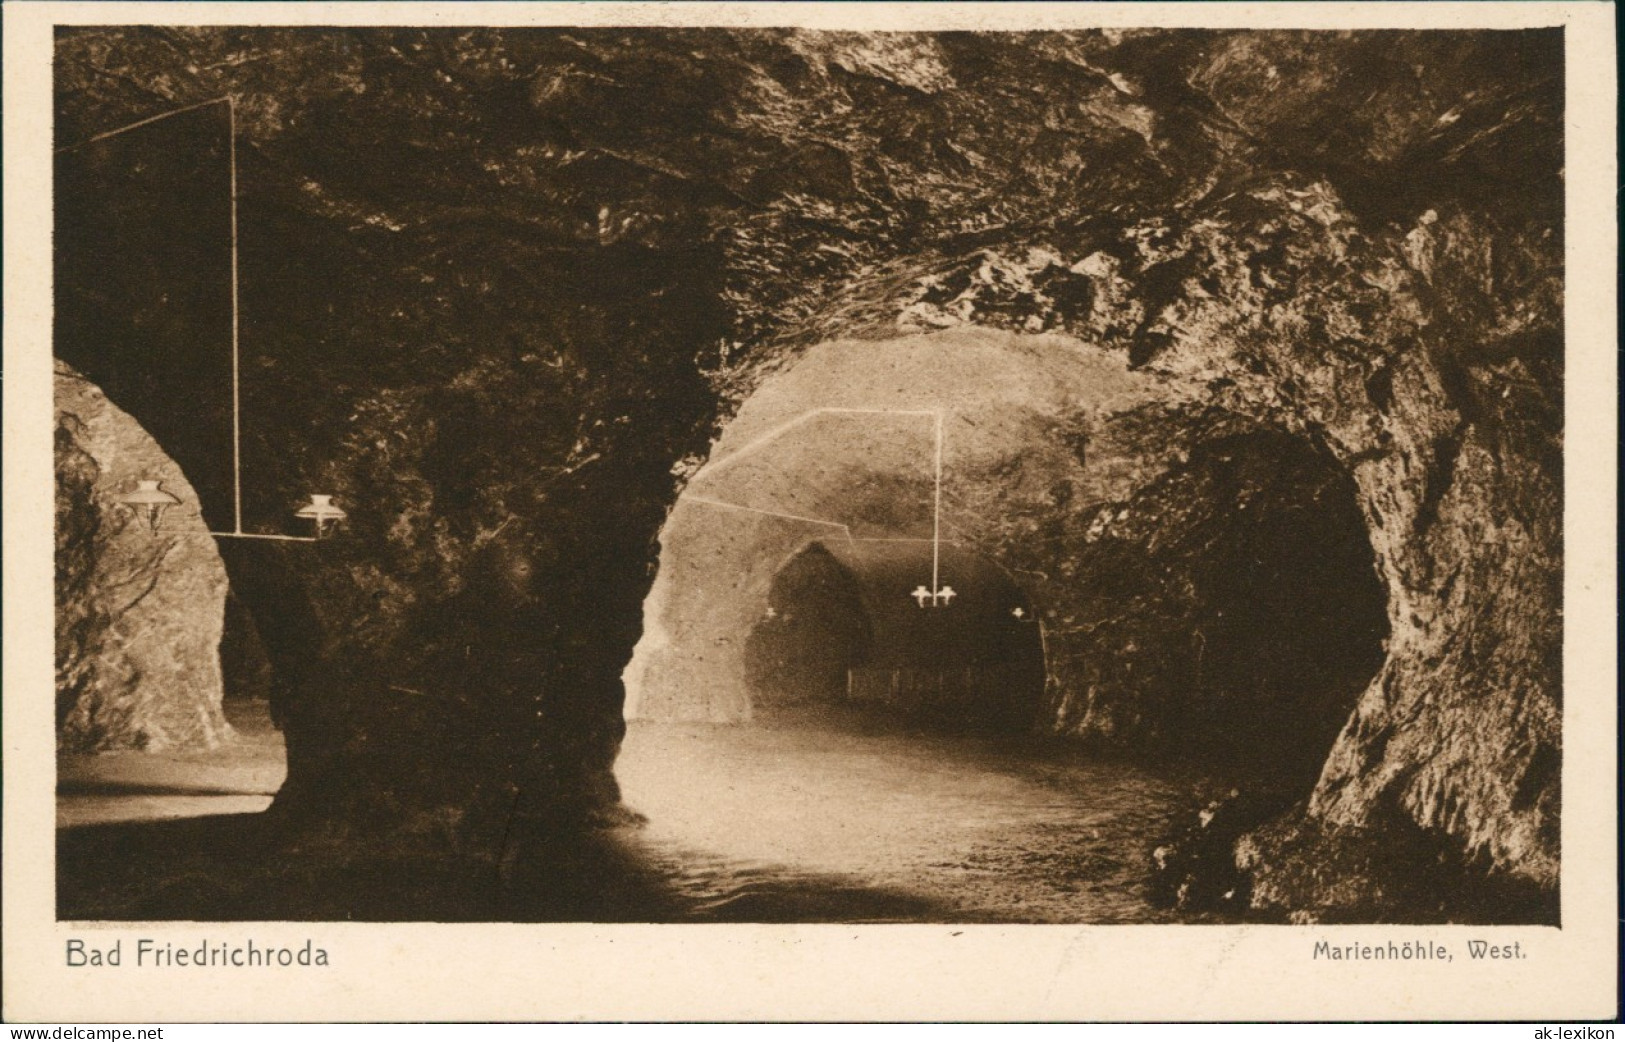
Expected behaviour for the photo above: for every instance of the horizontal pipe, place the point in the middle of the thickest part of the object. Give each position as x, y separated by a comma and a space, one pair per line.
713, 467
769, 513
259, 535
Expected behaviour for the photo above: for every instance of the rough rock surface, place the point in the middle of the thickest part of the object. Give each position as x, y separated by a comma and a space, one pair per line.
497, 282
138, 613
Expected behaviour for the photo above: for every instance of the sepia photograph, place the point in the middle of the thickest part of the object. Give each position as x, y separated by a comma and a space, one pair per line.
751, 473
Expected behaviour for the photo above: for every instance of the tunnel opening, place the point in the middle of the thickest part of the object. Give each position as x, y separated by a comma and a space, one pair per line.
812, 634
1235, 602
1154, 602
845, 627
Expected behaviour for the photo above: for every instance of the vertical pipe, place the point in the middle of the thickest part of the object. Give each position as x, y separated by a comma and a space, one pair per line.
236, 396
936, 518
236, 375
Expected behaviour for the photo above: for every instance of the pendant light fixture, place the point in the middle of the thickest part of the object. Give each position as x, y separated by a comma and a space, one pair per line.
323, 512
149, 500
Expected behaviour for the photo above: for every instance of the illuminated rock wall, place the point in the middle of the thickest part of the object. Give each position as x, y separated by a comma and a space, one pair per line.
139, 614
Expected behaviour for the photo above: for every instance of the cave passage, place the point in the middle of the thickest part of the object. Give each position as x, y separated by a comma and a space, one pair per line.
1231, 602
851, 624
1203, 586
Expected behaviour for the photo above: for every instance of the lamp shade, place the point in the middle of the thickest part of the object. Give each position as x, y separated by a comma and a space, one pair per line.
323, 512
148, 499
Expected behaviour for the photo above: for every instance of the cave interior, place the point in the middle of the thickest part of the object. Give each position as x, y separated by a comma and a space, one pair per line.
1253, 473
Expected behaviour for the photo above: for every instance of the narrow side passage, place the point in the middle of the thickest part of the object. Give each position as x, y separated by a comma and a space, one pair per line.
847, 624
1230, 609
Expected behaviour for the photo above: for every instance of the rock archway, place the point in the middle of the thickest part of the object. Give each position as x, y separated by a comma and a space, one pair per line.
1204, 578
842, 445
1368, 260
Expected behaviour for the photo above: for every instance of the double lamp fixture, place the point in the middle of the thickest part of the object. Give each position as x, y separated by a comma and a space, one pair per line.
148, 498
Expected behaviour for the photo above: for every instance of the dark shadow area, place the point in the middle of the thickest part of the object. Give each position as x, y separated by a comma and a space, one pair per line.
240, 867
1233, 607
852, 624
143, 261
245, 668
1291, 614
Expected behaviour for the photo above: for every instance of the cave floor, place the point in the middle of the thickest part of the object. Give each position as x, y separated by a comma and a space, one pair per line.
796, 817
943, 827
240, 776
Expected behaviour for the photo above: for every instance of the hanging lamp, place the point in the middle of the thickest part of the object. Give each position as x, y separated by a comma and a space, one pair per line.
323, 512
150, 500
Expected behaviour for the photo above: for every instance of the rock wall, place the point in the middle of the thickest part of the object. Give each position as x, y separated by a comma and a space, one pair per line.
139, 613
497, 283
